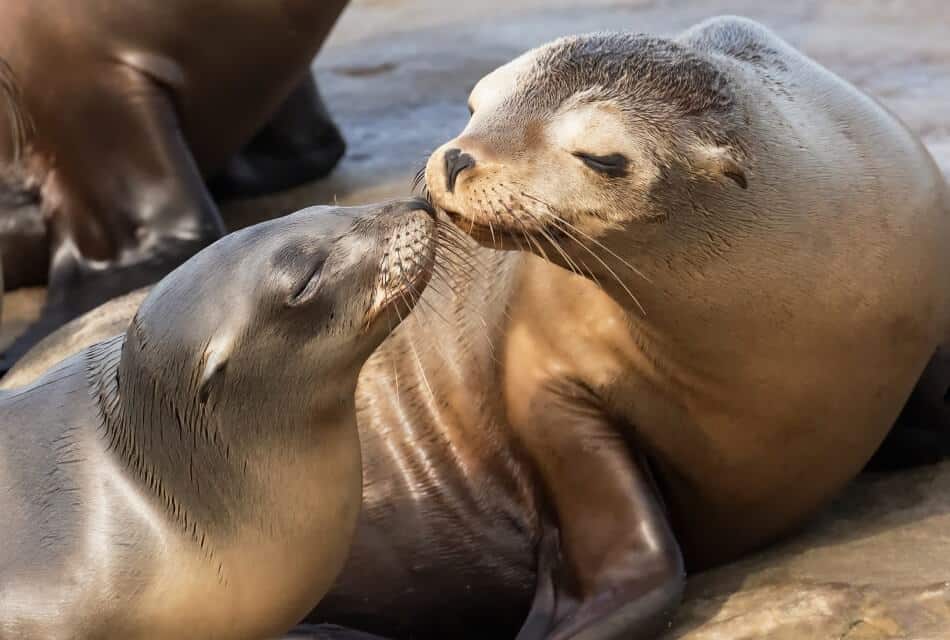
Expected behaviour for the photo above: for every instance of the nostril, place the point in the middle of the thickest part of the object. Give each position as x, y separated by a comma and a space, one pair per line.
455, 163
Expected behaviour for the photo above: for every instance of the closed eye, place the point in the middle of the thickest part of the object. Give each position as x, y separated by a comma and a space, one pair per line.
614, 165
305, 289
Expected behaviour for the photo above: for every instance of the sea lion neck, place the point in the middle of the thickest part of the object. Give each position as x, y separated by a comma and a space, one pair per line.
187, 469
200, 470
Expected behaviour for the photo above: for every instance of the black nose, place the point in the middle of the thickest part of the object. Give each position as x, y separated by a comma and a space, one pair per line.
455, 163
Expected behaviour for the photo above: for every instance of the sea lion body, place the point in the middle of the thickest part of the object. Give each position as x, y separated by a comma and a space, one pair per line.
161, 95
449, 466
452, 510
156, 486
129, 48
543, 449
87, 553
778, 242
767, 301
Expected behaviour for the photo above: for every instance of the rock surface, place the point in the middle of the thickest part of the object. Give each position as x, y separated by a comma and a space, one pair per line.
874, 566
396, 74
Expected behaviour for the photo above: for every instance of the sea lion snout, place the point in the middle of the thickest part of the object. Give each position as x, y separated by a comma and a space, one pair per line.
405, 237
476, 152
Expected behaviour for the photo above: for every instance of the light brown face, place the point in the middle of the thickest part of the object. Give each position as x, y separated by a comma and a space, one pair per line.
554, 155
510, 177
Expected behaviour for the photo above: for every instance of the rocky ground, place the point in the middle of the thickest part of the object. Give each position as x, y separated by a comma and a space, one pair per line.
396, 73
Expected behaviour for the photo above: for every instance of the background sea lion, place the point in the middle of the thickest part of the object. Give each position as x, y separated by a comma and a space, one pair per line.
105, 321
496, 473
154, 97
199, 475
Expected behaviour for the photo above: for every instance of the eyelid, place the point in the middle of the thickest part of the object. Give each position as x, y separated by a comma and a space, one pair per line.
308, 287
614, 165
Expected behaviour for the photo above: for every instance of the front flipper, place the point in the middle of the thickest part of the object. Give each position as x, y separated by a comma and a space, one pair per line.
127, 202
299, 144
617, 571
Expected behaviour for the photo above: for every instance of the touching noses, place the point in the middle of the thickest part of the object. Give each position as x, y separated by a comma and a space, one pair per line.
455, 163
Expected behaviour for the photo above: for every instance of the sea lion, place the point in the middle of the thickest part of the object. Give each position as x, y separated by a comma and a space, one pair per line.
539, 455
155, 97
198, 476
779, 243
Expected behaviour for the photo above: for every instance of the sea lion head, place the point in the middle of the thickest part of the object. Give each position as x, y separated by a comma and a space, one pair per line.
282, 309
588, 136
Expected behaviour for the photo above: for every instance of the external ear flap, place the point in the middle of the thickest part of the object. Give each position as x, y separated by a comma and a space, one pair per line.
216, 361
718, 161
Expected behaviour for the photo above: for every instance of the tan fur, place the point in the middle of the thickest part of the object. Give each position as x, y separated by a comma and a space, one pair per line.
779, 242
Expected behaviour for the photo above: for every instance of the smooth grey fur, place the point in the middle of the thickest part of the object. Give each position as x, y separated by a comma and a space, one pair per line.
225, 379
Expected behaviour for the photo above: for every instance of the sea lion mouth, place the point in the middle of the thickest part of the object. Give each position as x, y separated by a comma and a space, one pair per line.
406, 266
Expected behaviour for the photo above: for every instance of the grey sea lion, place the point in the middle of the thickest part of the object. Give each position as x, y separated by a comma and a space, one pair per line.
199, 475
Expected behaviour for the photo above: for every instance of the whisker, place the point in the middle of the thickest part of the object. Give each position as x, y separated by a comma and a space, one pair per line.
418, 180
571, 263
565, 227
610, 271
587, 236
491, 228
